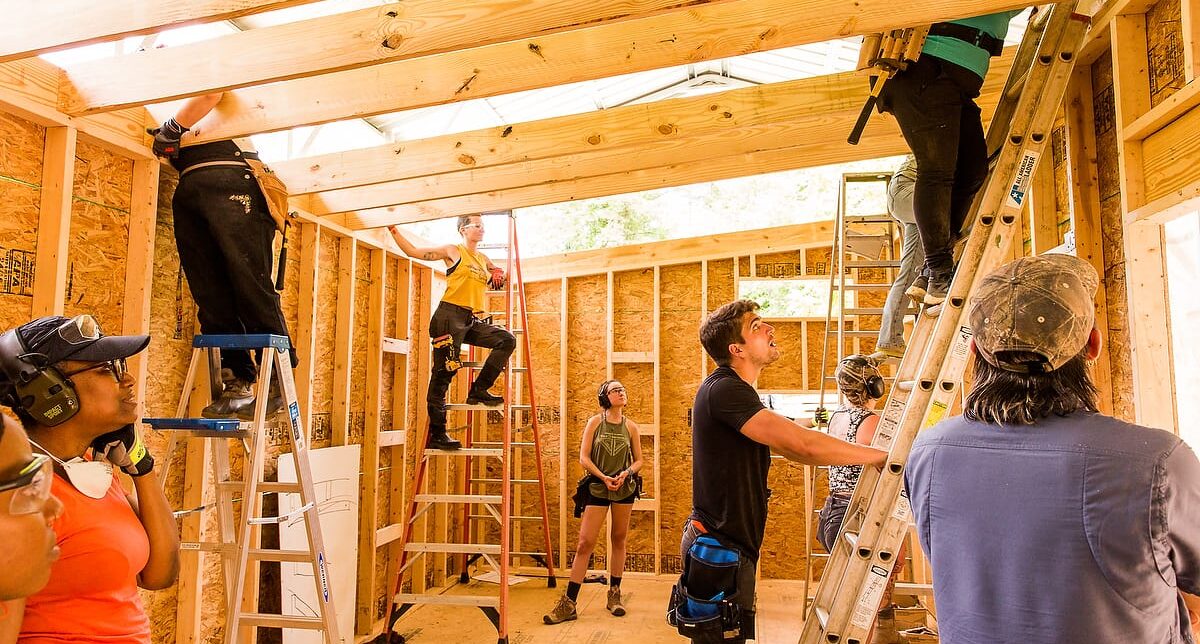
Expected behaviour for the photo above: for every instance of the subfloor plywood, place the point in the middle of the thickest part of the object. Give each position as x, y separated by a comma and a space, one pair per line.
779, 615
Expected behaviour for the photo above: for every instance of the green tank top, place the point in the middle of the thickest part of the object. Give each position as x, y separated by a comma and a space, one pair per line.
612, 452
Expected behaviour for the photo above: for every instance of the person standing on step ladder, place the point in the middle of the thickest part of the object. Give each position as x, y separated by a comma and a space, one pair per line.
469, 273
611, 453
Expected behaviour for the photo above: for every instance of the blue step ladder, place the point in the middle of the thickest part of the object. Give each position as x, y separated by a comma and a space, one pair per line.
239, 543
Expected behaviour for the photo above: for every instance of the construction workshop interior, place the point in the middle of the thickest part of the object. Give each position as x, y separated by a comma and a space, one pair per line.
435, 316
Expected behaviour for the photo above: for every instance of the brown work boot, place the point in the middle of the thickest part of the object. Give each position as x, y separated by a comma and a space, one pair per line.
614, 601
236, 395
564, 611
885, 627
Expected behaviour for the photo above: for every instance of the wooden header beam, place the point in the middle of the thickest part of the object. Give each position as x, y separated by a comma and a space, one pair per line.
62, 24
394, 31
702, 33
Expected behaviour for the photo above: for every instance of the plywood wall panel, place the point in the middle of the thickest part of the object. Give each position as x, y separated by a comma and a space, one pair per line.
21, 153
1164, 47
633, 310
99, 235
586, 367
787, 372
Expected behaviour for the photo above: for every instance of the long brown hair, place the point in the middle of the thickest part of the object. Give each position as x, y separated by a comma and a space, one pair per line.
1006, 397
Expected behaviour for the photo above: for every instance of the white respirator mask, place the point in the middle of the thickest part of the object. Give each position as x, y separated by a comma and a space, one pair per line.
91, 478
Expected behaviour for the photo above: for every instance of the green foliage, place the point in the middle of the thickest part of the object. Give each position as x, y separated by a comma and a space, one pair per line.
808, 298
601, 224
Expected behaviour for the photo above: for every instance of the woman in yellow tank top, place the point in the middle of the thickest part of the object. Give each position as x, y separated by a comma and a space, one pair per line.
469, 273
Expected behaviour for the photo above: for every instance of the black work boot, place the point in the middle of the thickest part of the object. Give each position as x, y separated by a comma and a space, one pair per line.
274, 402
916, 292
236, 396
482, 397
939, 285
439, 439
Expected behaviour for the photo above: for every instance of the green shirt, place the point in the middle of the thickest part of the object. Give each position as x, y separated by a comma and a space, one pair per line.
612, 452
963, 53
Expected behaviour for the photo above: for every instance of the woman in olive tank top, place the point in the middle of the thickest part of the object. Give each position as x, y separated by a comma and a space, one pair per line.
611, 453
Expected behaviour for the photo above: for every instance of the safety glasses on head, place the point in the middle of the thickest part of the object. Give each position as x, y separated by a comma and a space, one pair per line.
31, 485
118, 368
81, 329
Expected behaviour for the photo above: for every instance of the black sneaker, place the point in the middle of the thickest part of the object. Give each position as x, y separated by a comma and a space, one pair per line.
939, 284
484, 398
917, 291
442, 441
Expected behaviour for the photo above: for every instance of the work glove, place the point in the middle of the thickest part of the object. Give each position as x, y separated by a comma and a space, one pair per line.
497, 282
166, 138
124, 449
820, 416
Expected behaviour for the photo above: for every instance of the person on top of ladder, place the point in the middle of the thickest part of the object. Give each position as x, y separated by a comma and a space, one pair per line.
469, 273
68, 384
733, 434
859, 380
890, 343
1045, 521
933, 101
611, 454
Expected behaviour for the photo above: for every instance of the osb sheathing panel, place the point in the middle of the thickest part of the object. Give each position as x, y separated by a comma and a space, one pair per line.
543, 307
744, 266
816, 260
1112, 236
586, 367
1062, 187
633, 310
782, 555
21, 149
639, 384
1164, 47
720, 284
816, 337
99, 238
324, 333
787, 371
788, 264
680, 377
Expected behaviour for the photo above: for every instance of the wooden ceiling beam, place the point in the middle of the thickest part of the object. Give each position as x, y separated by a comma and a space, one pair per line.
677, 38
62, 24
394, 31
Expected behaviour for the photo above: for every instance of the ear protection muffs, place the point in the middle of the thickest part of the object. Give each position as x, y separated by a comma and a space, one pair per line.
602, 394
873, 384
39, 390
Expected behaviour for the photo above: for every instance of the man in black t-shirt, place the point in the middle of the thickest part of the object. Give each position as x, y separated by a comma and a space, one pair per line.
732, 438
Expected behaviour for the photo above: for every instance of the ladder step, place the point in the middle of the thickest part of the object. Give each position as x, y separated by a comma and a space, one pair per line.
466, 407
822, 616
448, 600
528, 553
851, 538
466, 451
264, 487
282, 621
874, 263
283, 518
868, 219
243, 341
270, 554
514, 481
914, 589
498, 444
203, 427
458, 498
513, 518
455, 548
476, 364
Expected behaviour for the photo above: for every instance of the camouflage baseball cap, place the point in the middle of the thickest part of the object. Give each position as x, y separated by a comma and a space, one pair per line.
1041, 305
853, 371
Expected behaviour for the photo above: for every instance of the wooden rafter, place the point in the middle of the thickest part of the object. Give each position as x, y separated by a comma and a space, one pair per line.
702, 33
394, 31
61, 24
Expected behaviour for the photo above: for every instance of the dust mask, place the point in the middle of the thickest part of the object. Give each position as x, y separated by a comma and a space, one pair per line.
91, 478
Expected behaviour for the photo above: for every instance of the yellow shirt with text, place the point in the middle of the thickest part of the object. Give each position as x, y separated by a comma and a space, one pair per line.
467, 280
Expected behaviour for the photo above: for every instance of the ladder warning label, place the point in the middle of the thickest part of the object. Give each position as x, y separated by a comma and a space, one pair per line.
936, 412
868, 600
903, 507
1020, 185
961, 349
297, 435
885, 433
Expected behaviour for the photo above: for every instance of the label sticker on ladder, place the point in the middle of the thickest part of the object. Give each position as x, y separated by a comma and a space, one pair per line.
297, 435
903, 508
936, 412
1020, 185
324, 576
868, 600
885, 432
960, 347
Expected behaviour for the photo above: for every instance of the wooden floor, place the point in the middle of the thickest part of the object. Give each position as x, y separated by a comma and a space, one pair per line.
779, 616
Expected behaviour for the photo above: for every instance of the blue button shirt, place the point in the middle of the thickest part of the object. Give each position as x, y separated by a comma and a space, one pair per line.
1079, 529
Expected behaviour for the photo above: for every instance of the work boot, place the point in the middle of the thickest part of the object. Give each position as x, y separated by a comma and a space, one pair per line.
614, 602
482, 397
916, 292
564, 611
939, 285
885, 627
439, 439
888, 351
274, 402
237, 395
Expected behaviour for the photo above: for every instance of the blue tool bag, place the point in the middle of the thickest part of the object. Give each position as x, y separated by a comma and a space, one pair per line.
702, 607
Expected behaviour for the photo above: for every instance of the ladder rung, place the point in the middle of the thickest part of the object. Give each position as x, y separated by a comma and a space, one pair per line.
865, 177
243, 341
477, 364
851, 538
466, 407
914, 589
448, 600
269, 554
528, 553
513, 518
498, 444
514, 481
466, 451
822, 616
458, 498
867, 219
264, 487
283, 518
282, 621
455, 548
874, 263
203, 427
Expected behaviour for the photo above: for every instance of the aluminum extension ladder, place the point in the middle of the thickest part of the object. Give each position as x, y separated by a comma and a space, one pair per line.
489, 526
240, 541
929, 375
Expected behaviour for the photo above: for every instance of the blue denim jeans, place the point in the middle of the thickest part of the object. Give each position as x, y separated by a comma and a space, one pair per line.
912, 258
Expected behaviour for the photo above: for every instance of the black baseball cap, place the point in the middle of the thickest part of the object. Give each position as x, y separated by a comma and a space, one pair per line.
53, 339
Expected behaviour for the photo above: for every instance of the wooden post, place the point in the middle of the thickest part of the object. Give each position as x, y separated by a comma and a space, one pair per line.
343, 344
1042, 208
306, 305
564, 455
139, 262
369, 484
54, 224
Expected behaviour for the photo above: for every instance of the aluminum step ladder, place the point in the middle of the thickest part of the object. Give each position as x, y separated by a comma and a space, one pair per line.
930, 373
489, 525
239, 540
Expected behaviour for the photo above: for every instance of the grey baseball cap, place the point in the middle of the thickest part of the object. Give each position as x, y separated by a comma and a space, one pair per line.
1042, 305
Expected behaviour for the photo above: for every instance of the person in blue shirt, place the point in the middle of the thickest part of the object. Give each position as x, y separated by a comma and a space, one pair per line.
933, 101
1044, 521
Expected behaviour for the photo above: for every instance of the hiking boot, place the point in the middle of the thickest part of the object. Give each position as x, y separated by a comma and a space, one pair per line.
916, 292
564, 611
274, 403
237, 395
888, 351
885, 627
614, 602
441, 440
939, 285
484, 398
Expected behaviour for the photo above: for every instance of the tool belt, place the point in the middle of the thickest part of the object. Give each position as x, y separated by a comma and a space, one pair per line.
269, 184
702, 606
992, 45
